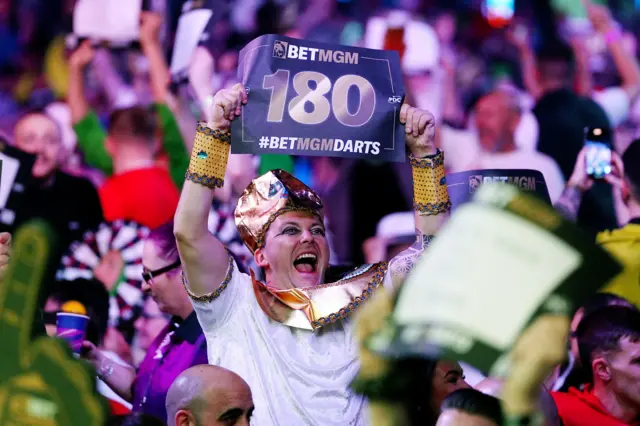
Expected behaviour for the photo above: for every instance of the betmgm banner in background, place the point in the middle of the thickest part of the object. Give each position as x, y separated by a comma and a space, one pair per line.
506, 258
463, 185
320, 99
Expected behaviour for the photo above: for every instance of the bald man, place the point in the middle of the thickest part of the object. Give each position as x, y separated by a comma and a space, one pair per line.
209, 395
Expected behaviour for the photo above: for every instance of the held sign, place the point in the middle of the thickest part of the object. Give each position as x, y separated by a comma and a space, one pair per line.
308, 98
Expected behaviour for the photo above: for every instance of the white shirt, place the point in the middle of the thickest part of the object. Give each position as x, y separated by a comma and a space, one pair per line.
520, 159
296, 376
615, 102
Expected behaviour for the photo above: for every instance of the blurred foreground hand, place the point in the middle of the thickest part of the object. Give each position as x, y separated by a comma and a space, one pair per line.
5, 248
538, 351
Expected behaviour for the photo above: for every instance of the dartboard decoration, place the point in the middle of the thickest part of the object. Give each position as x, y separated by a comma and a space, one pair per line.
120, 240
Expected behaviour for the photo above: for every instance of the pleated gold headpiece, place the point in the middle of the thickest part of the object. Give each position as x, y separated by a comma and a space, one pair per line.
267, 197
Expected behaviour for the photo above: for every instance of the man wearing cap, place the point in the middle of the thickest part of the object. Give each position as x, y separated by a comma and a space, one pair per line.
289, 336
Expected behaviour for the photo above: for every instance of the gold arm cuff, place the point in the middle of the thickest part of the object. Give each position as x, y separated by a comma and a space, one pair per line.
209, 157
206, 298
430, 195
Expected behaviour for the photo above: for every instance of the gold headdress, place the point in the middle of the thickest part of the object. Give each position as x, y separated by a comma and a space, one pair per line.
267, 197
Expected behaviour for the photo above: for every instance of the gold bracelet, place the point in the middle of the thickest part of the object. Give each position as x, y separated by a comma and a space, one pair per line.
206, 298
430, 195
209, 157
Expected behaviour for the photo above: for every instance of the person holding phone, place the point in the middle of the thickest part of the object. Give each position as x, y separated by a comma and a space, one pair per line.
597, 163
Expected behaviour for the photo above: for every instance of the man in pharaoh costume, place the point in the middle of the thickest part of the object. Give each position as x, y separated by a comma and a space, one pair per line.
290, 336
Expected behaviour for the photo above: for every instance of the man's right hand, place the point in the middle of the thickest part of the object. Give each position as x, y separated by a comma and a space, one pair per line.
82, 56
225, 106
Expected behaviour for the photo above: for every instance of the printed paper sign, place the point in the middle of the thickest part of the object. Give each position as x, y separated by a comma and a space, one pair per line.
308, 98
463, 185
500, 262
191, 26
14, 181
115, 21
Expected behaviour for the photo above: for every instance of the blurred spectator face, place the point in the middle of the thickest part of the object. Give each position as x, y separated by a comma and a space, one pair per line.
228, 62
165, 288
289, 237
39, 135
448, 377
496, 121
150, 324
51, 307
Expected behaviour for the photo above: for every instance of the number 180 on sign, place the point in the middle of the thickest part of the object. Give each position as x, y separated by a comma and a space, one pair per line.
321, 101
312, 105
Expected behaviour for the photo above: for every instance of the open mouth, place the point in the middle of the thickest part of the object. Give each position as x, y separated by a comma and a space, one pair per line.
306, 263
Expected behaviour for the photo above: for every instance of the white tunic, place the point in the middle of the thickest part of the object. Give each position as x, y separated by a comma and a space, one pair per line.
297, 377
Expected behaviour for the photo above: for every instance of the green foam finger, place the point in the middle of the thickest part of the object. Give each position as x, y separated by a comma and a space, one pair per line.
19, 292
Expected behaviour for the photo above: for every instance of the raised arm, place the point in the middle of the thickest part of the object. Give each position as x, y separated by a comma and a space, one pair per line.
626, 63
172, 141
205, 260
91, 135
580, 182
431, 203
519, 36
78, 61
201, 72
150, 24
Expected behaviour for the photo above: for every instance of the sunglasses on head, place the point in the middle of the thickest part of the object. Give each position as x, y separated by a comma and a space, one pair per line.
148, 275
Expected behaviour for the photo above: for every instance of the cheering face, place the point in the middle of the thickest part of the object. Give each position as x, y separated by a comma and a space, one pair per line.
39, 135
296, 252
448, 377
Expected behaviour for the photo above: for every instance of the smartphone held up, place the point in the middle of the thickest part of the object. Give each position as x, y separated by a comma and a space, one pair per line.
598, 142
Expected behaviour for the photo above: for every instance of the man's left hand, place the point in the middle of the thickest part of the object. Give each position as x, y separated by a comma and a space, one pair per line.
420, 127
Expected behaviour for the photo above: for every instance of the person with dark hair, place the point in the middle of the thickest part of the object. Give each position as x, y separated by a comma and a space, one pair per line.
546, 406
91, 294
207, 395
138, 188
470, 407
609, 343
94, 298
562, 117
622, 243
70, 204
570, 374
418, 386
180, 345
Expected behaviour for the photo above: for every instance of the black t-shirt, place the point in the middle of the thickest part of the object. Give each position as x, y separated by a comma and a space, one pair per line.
562, 117
70, 205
